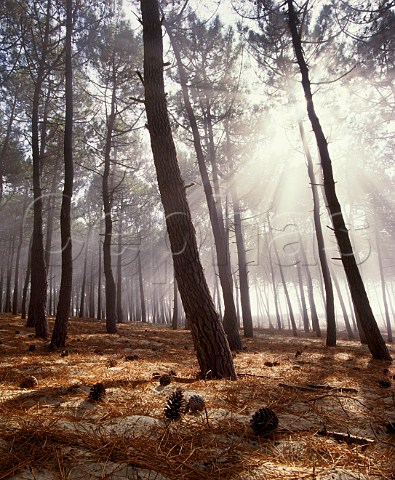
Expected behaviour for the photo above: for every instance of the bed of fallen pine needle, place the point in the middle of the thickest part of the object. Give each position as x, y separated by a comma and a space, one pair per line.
335, 407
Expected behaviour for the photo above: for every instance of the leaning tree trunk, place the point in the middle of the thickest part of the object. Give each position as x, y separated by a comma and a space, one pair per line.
326, 275
359, 296
212, 349
217, 225
38, 277
59, 333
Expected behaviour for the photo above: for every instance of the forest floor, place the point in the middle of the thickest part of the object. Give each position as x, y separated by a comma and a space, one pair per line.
53, 431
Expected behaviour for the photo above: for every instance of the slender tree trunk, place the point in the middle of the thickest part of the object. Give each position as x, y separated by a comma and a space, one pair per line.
27, 280
305, 316
59, 333
10, 262
329, 298
15, 298
241, 252
110, 289
383, 288
38, 291
350, 333
224, 270
286, 292
84, 273
99, 276
310, 291
4, 148
174, 320
213, 352
120, 315
141, 289
364, 311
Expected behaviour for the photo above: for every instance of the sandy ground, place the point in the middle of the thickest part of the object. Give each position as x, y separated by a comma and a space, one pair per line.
54, 431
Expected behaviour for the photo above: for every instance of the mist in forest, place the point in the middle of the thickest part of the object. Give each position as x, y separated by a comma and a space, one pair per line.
244, 88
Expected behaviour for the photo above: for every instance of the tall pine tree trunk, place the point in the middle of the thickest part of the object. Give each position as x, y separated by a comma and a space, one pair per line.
359, 296
59, 333
217, 225
213, 352
110, 290
329, 298
38, 277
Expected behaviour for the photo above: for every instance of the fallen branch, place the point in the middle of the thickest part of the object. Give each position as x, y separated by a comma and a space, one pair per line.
346, 437
312, 387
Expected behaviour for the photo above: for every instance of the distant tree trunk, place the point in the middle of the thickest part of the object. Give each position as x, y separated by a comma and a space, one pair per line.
213, 352
84, 273
224, 269
6, 142
383, 288
15, 298
99, 285
287, 297
141, 289
364, 311
329, 298
310, 291
286, 292
174, 320
305, 316
110, 290
241, 252
27, 280
92, 293
51, 213
350, 332
120, 318
59, 333
10, 262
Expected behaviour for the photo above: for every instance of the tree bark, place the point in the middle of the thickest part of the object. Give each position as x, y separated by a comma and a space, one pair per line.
212, 349
38, 291
224, 270
110, 289
364, 311
59, 333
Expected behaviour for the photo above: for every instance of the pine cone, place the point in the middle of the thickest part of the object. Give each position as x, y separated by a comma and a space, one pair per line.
97, 393
165, 380
264, 421
29, 382
175, 405
195, 403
